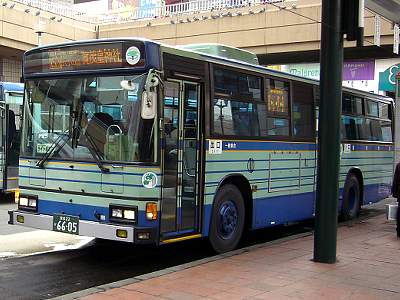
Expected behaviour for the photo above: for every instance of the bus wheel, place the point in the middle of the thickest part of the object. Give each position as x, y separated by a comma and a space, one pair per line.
351, 198
227, 221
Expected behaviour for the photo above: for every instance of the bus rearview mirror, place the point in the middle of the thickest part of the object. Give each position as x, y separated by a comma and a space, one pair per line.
149, 105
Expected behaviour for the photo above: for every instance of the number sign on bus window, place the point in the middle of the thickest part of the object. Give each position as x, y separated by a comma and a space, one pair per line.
277, 97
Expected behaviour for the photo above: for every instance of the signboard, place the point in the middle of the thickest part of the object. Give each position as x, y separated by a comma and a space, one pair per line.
277, 101
359, 70
123, 5
304, 70
352, 70
148, 8
85, 57
387, 79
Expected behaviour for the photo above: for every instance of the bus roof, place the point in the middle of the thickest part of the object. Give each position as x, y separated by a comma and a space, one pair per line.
191, 53
12, 87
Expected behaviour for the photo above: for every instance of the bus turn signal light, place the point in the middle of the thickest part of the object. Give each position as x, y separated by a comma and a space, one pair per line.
151, 211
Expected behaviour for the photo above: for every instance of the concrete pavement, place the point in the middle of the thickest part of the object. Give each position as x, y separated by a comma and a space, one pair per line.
368, 267
18, 240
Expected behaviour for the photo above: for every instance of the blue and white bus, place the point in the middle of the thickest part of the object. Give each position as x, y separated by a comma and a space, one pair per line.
131, 140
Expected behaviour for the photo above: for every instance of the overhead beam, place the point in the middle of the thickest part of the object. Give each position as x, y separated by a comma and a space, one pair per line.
389, 9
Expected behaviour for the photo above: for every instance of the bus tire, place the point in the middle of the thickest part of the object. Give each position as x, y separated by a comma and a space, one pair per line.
227, 219
351, 198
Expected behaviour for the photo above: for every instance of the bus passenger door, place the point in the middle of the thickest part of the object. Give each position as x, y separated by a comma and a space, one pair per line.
3, 135
180, 203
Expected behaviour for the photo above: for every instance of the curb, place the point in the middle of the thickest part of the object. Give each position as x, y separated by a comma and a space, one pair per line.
121, 283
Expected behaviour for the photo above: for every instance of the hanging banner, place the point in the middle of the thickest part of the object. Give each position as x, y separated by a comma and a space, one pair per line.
377, 34
396, 38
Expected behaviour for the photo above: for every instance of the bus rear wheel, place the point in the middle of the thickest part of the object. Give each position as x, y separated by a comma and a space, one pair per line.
351, 198
227, 219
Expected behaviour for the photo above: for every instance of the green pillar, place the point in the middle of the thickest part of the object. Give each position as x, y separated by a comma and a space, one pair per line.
329, 132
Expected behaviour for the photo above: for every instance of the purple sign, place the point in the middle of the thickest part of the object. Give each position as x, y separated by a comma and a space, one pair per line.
359, 70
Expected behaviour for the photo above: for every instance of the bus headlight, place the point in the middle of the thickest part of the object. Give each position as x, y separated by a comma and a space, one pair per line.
123, 214
23, 201
116, 213
129, 214
27, 202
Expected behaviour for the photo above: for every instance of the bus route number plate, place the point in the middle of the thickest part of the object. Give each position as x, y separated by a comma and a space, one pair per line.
66, 224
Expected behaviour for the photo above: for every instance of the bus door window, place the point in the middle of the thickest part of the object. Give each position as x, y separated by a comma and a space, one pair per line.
170, 144
14, 111
190, 161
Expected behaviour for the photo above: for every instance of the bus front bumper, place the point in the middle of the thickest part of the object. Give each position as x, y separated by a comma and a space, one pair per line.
86, 228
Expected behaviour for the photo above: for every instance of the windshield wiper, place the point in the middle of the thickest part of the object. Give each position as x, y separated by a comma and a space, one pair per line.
94, 151
54, 148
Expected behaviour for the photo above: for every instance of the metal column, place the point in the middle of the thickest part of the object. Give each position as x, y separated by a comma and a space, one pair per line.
329, 132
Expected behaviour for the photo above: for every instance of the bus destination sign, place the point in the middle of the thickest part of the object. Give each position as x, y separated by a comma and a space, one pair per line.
82, 57
60, 60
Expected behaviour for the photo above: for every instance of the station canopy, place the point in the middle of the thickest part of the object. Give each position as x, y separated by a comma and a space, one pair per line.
389, 9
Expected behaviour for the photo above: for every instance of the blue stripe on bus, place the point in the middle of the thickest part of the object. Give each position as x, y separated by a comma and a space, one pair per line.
371, 147
85, 212
81, 181
264, 179
367, 157
265, 145
261, 160
257, 170
83, 170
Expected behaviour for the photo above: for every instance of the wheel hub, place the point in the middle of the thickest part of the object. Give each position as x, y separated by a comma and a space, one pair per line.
228, 219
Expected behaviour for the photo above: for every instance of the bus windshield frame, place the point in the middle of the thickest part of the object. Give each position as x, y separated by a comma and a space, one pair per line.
94, 113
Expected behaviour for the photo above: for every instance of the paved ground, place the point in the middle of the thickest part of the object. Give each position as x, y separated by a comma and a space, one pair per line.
4, 227
368, 267
18, 240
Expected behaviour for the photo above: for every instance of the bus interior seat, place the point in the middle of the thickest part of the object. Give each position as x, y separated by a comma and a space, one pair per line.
97, 128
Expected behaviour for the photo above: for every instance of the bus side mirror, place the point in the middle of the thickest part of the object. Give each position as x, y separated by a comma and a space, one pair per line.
149, 107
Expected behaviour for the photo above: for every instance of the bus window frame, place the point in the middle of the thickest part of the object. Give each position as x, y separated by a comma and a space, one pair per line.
365, 116
288, 116
312, 137
263, 100
155, 163
212, 94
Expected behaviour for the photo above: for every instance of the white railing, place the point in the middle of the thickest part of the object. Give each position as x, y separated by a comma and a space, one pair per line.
185, 8
57, 9
179, 9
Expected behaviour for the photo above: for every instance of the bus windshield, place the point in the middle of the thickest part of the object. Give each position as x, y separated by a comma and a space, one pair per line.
90, 114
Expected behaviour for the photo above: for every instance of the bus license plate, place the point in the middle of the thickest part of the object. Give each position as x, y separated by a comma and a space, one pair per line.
66, 224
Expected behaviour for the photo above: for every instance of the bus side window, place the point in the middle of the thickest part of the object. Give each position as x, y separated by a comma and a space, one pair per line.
302, 110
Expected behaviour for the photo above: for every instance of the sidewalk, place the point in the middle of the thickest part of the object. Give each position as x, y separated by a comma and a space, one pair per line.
368, 267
